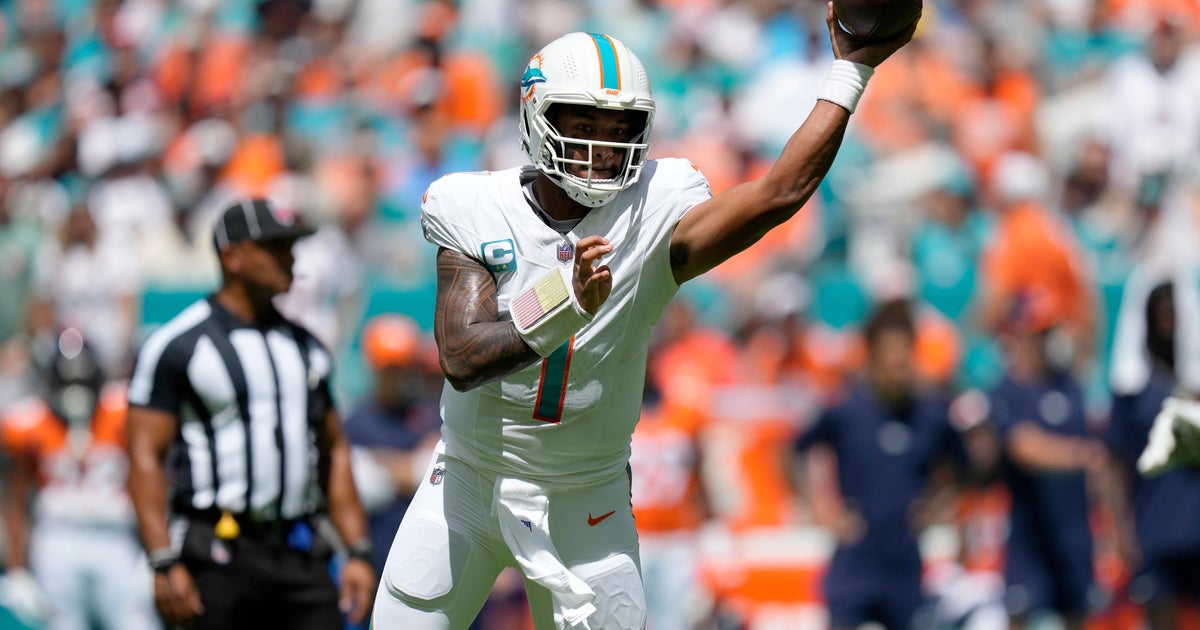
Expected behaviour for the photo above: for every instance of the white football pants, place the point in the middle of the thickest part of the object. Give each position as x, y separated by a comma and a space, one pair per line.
449, 550
93, 573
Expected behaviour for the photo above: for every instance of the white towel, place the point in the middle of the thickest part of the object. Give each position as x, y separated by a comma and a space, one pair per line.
1187, 329
523, 511
1130, 369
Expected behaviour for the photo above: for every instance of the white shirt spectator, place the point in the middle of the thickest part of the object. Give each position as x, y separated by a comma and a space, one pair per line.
1154, 117
329, 274
95, 289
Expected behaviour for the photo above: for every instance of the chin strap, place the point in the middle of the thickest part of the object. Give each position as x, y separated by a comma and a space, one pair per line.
582, 198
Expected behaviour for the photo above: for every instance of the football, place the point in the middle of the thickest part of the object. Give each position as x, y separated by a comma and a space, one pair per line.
872, 20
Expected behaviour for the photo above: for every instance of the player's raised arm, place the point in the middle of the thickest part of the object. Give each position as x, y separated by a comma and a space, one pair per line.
730, 222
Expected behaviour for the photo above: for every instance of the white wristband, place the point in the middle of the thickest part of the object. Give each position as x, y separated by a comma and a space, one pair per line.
845, 83
547, 313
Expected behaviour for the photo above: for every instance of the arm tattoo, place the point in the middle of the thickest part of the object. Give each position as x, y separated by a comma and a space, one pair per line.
474, 346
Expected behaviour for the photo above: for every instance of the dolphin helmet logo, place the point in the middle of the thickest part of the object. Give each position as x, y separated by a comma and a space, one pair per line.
533, 76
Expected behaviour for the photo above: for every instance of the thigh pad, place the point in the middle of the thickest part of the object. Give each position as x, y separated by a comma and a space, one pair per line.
425, 559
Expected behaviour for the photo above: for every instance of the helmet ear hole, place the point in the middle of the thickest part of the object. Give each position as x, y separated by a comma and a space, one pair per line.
639, 126
553, 111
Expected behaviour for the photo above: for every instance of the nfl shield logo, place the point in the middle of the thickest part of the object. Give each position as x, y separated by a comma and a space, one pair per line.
566, 252
438, 474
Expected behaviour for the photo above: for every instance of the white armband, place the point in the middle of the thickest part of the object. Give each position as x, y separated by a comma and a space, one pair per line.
845, 83
547, 313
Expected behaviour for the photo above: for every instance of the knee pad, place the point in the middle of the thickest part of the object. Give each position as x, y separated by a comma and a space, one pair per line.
620, 599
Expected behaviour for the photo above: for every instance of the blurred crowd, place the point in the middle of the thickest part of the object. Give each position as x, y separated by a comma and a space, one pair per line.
1023, 167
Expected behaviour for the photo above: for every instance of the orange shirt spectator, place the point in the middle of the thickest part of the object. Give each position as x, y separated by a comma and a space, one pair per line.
666, 487
1142, 12
997, 114
919, 89
463, 85
255, 163
1035, 256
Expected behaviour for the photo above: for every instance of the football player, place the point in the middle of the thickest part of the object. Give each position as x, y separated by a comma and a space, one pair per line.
70, 520
549, 280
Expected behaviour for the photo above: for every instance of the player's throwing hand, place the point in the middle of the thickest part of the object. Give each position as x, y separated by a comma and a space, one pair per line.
869, 54
592, 280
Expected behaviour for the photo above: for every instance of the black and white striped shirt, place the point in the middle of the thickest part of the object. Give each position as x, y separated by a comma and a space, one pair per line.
250, 401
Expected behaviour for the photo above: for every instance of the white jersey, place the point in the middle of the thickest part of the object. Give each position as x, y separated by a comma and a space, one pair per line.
569, 417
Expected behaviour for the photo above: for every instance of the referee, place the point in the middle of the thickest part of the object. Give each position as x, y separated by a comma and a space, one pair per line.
239, 397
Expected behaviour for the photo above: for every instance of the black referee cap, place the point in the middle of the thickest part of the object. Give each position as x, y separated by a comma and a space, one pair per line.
257, 220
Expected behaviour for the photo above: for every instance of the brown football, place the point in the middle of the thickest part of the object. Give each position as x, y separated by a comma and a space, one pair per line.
871, 20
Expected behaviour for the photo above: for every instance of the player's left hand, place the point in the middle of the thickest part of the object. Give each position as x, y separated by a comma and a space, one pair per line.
592, 281
867, 53
357, 589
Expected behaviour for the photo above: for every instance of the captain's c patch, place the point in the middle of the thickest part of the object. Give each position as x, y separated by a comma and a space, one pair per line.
499, 256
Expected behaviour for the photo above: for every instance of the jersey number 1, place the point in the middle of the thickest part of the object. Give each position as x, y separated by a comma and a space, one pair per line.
552, 386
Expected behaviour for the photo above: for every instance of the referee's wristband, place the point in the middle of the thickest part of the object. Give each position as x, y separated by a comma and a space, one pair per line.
361, 550
162, 559
845, 83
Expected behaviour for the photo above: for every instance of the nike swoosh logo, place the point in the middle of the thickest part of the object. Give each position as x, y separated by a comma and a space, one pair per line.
596, 521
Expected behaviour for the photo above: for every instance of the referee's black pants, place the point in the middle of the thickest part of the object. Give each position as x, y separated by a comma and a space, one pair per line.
255, 581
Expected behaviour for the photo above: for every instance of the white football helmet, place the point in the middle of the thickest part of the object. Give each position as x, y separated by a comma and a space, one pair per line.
584, 69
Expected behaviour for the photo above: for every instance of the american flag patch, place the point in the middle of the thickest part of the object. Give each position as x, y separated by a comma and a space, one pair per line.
532, 304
